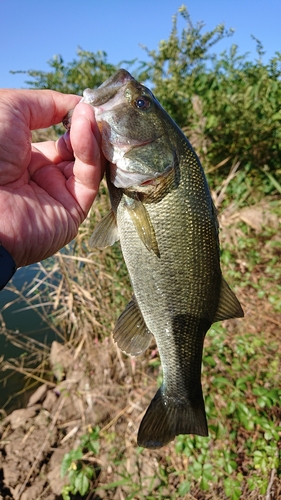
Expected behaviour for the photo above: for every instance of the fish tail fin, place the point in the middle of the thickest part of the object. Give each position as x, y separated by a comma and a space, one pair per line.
165, 419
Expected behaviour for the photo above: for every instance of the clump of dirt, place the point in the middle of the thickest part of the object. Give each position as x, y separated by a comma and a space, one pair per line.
33, 440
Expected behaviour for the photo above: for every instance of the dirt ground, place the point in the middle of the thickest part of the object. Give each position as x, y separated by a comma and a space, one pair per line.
111, 393
96, 385
35, 439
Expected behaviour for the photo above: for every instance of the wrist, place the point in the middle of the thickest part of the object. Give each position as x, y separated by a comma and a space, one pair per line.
7, 267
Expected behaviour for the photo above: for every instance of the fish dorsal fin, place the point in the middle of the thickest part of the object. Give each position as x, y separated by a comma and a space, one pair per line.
229, 306
105, 233
141, 220
131, 333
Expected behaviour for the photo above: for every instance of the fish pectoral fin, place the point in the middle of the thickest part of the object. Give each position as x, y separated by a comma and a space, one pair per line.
105, 233
229, 306
166, 418
141, 220
131, 333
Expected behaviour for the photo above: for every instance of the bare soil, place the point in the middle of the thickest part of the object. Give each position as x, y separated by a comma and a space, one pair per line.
96, 385
34, 439
111, 393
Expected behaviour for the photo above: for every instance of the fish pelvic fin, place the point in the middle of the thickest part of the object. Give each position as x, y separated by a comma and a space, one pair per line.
229, 306
165, 419
131, 333
105, 233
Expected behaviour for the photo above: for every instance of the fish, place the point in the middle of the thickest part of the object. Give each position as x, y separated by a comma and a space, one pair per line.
163, 214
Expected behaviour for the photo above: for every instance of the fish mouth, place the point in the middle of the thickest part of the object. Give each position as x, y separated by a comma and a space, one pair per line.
108, 89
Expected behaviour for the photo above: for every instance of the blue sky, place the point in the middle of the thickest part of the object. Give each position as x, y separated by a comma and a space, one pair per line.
33, 31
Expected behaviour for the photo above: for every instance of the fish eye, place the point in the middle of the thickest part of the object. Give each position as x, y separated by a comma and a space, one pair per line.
142, 103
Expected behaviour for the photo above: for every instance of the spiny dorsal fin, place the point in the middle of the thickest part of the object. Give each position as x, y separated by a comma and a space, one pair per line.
143, 224
131, 333
229, 306
105, 233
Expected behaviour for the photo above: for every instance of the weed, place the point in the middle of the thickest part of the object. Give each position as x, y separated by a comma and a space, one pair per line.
76, 465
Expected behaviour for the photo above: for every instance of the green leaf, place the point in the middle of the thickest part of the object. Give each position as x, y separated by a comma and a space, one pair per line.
89, 471
82, 483
70, 458
65, 492
66, 462
208, 471
209, 360
204, 484
268, 435
72, 474
184, 488
232, 489
94, 447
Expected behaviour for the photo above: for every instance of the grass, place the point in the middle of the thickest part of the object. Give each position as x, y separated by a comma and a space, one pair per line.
87, 289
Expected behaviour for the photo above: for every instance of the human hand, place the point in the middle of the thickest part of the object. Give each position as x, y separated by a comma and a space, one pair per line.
46, 189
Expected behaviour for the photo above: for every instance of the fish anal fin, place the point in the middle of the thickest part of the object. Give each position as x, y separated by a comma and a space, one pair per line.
131, 333
105, 233
165, 420
229, 306
143, 225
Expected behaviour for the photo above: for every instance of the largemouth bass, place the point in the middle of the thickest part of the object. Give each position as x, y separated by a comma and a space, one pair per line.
163, 214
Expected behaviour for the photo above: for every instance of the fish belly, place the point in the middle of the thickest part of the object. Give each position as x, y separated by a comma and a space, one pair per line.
177, 294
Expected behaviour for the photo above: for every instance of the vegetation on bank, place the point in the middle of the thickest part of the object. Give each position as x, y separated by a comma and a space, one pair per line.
228, 105
230, 108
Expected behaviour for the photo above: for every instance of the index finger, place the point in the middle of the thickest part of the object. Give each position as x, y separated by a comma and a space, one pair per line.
40, 108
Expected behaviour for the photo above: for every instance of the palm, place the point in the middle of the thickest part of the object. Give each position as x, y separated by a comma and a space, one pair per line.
41, 210
45, 193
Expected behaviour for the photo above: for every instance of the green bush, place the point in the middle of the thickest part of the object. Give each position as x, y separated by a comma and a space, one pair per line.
228, 106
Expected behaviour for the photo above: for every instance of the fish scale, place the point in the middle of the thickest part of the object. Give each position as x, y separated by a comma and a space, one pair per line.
178, 300
163, 214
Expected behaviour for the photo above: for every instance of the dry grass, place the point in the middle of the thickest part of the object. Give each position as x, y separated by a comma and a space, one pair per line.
81, 291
